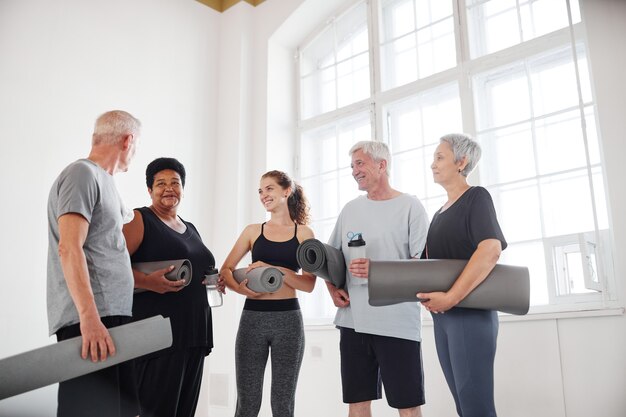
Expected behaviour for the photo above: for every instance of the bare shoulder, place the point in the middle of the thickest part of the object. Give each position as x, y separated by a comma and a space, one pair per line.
305, 232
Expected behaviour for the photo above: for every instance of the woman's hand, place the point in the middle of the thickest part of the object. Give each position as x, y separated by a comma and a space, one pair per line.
244, 290
157, 282
436, 302
221, 284
257, 264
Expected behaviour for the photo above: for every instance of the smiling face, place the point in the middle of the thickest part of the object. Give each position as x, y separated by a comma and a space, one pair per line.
445, 170
167, 189
366, 171
271, 194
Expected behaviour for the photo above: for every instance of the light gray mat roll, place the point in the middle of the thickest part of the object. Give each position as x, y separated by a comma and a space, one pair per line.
262, 279
182, 269
506, 288
61, 361
322, 260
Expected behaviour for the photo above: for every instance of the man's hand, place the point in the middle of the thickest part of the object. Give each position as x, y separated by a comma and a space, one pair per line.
97, 341
359, 267
340, 297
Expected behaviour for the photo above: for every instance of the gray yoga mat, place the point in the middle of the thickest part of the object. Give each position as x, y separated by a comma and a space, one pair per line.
322, 260
61, 361
262, 279
506, 288
182, 269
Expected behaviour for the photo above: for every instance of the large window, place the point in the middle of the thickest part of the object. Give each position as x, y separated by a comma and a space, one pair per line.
513, 74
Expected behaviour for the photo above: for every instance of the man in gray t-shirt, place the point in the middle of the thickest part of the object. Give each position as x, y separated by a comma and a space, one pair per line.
90, 281
378, 343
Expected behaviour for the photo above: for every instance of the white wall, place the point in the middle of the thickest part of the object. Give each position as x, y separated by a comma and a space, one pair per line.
214, 90
63, 63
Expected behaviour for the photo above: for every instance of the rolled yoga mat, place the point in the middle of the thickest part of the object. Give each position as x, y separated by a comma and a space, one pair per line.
182, 269
506, 288
262, 279
322, 260
61, 361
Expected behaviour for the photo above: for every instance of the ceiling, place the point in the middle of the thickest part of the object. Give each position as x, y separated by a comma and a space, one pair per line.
221, 5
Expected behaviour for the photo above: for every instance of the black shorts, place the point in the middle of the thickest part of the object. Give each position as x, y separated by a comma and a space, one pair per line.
368, 359
110, 392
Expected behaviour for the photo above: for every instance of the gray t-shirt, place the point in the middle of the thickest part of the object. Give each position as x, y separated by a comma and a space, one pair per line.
85, 188
392, 229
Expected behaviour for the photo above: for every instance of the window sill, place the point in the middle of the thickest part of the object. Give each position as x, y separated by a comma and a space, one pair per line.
537, 314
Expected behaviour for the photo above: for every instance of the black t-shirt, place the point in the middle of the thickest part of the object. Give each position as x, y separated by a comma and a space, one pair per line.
456, 233
188, 308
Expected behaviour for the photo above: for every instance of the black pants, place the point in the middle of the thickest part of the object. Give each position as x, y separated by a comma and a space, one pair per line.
110, 392
169, 384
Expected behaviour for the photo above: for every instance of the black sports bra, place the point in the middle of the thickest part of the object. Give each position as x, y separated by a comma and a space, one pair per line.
276, 253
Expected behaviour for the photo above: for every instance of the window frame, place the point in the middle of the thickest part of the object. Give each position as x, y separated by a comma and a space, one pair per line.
462, 74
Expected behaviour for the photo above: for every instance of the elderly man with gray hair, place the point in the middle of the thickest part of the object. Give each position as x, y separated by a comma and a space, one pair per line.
378, 343
90, 281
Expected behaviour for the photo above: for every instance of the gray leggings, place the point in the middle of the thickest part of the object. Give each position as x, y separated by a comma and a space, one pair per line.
260, 331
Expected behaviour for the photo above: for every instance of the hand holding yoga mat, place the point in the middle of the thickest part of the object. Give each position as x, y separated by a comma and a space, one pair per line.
262, 279
323, 261
506, 288
182, 269
61, 361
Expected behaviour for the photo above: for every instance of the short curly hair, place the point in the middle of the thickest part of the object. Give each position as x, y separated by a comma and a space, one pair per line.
159, 165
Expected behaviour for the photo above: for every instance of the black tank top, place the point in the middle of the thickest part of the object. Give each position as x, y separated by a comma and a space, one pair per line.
276, 253
188, 308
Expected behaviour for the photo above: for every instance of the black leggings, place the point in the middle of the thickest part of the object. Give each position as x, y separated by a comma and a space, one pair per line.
280, 331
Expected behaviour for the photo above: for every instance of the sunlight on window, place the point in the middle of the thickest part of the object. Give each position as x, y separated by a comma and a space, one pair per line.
417, 40
498, 24
334, 67
529, 104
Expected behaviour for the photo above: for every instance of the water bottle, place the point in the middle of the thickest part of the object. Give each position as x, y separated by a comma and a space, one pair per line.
356, 248
211, 276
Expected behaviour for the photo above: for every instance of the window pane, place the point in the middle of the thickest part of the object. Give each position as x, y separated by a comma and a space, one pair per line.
493, 97
560, 144
334, 67
353, 80
498, 24
398, 18
424, 118
553, 82
399, 62
493, 25
318, 54
519, 211
430, 11
351, 29
544, 16
566, 202
508, 155
435, 50
409, 51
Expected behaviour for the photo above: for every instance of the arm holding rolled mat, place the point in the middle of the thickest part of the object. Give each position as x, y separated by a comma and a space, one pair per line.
477, 269
97, 341
155, 281
239, 250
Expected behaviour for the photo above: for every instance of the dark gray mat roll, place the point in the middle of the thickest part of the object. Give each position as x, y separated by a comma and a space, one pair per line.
61, 361
182, 269
322, 260
262, 279
506, 288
